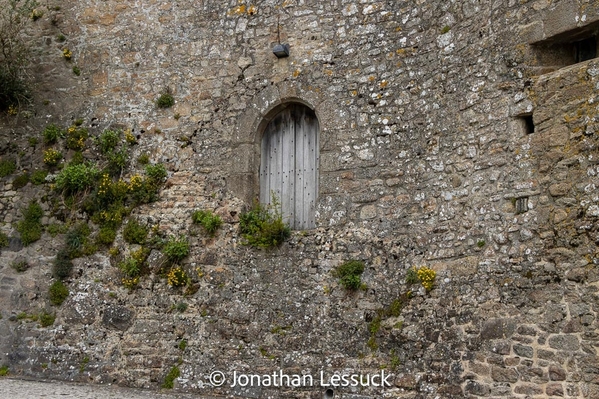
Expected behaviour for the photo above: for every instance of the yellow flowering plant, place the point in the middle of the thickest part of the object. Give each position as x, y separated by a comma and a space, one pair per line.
67, 54
52, 157
177, 277
426, 276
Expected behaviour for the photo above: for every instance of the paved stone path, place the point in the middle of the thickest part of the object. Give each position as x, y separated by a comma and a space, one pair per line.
24, 389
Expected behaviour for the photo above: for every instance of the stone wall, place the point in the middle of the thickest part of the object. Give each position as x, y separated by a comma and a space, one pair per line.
425, 161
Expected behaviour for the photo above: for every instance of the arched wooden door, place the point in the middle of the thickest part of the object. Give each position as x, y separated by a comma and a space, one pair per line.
289, 164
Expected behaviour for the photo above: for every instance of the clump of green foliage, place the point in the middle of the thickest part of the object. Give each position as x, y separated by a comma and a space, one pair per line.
77, 242
62, 266
30, 228
57, 293
46, 319
76, 70
39, 177
133, 267
76, 178
14, 53
393, 310
169, 380
180, 307
208, 220
131, 270
7, 167
20, 266
176, 249
20, 181
106, 235
263, 226
117, 161
77, 158
52, 133
135, 232
4, 371
76, 136
156, 173
3, 240
412, 276
143, 159
108, 140
182, 344
54, 229
349, 275
166, 99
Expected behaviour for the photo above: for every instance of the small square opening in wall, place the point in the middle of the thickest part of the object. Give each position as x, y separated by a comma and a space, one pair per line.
526, 123
529, 125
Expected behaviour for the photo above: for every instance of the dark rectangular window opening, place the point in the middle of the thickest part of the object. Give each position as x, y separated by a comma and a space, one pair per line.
567, 48
528, 123
585, 49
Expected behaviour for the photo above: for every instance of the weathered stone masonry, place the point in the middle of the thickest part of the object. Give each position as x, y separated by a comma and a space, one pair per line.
425, 159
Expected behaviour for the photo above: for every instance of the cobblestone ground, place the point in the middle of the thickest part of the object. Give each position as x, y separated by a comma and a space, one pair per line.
23, 389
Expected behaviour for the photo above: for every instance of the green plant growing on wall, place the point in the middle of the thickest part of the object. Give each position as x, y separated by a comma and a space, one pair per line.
143, 159
135, 232
46, 319
52, 157
76, 178
180, 307
7, 167
3, 240
177, 277
57, 293
412, 276
20, 266
166, 99
208, 220
30, 228
176, 249
62, 266
131, 270
4, 371
76, 136
156, 173
106, 235
169, 380
38, 177
117, 161
423, 275
52, 133
108, 140
349, 275
14, 52
263, 226
20, 181
76, 240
